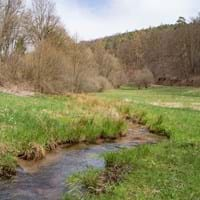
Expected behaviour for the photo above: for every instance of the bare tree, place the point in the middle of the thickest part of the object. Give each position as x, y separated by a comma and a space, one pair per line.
142, 78
11, 13
108, 65
42, 20
81, 64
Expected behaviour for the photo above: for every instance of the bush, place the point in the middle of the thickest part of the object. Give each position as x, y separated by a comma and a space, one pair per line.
95, 84
195, 81
143, 78
47, 69
2, 81
10, 70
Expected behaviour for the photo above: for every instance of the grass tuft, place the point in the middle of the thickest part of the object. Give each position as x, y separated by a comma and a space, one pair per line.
32, 126
169, 170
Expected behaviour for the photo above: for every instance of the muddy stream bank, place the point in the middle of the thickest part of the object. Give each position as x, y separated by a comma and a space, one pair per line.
46, 179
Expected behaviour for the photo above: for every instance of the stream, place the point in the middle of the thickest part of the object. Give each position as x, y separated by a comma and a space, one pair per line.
46, 179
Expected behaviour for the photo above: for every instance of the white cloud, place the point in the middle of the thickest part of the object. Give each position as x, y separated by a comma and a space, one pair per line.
121, 15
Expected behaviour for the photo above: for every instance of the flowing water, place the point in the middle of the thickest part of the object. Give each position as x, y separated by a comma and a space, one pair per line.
46, 180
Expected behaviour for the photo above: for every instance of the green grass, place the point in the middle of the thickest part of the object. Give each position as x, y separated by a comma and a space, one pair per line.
28, 123
185, 97
171, 169
166, 171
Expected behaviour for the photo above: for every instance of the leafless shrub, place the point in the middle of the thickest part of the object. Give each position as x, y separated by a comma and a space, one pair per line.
108, 65
46, 69
95, 84
143, 78
194, 81
104, 84
2, 80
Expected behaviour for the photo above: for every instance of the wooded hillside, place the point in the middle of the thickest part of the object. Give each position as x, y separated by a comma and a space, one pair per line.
170, 52
36, 51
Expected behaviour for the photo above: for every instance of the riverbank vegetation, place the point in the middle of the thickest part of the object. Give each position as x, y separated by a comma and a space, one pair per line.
32, 126
37, 53
169, 170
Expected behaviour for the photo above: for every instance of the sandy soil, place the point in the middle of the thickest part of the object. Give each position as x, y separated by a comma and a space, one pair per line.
17, 90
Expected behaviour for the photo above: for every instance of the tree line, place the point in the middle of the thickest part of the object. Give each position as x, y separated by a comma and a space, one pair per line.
167, 54
37, 52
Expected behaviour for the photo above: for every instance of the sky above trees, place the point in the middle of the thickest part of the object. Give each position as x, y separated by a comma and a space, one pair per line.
97, 18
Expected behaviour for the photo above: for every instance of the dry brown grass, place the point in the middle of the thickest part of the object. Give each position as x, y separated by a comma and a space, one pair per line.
36, 152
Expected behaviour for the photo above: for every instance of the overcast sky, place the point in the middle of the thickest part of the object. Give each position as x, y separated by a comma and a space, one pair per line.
97, 18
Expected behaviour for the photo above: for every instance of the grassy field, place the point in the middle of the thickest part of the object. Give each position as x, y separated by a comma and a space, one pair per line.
32, 126
169, 170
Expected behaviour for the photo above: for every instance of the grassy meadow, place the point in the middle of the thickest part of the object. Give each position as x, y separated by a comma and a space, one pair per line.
32, 126
169, 170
